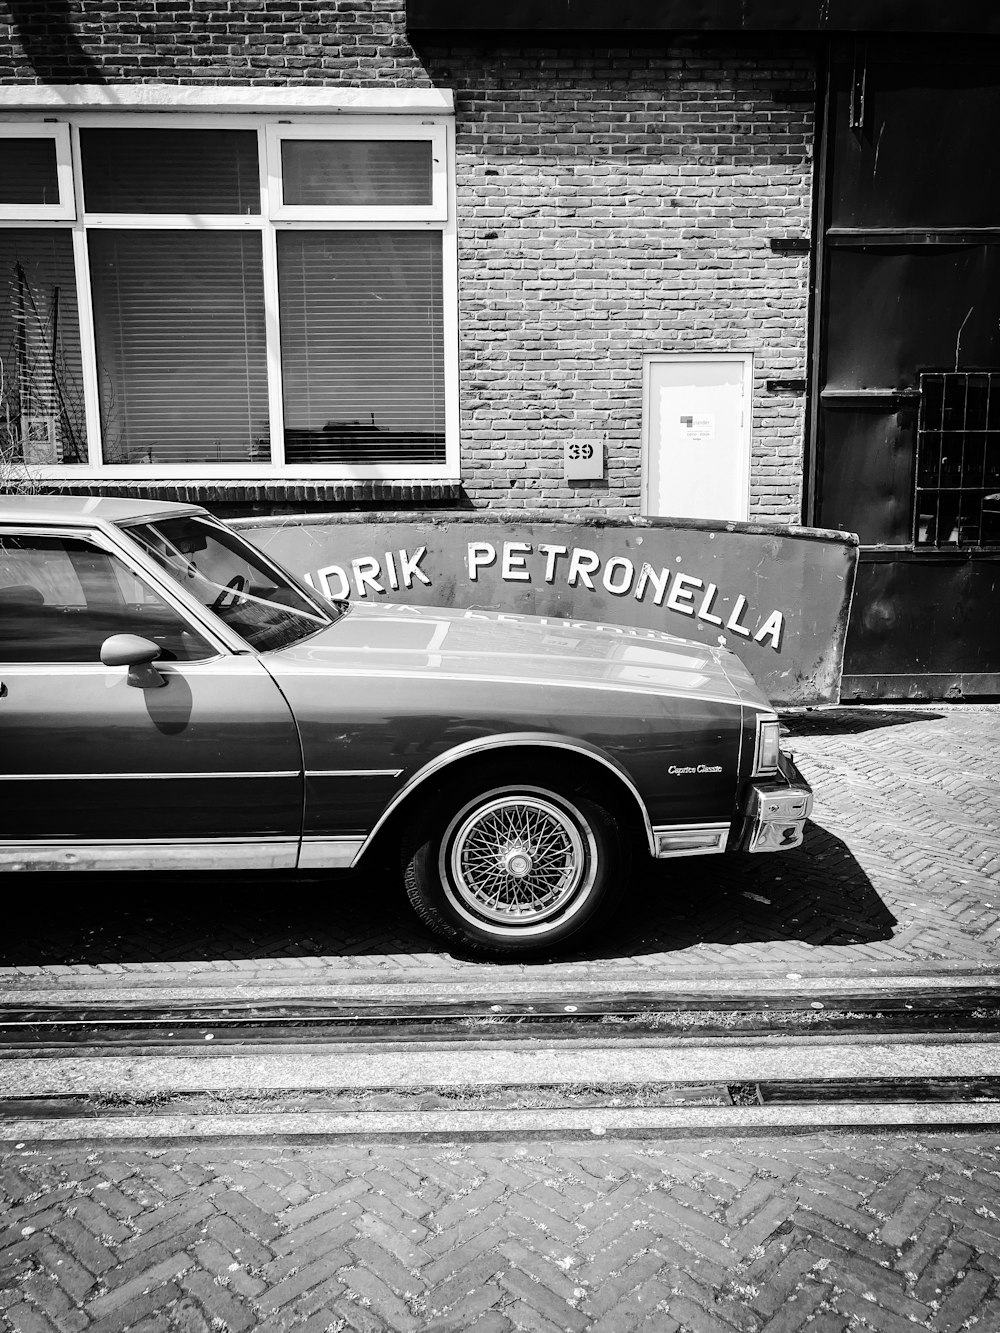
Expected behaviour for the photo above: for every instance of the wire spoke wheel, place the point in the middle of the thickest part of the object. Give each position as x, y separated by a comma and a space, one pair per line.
517, 858
519, 863
512, 867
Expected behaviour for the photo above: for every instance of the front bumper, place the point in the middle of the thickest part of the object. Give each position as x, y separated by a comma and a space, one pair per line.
777, 810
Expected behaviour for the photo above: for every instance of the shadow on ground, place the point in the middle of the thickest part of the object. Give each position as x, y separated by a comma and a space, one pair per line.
817, 893
852, 721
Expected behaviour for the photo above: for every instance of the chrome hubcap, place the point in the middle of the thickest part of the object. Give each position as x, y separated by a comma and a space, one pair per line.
517, 859
517, 863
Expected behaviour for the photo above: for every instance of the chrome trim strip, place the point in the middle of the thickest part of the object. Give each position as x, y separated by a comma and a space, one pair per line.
146, 777
154, 854
260, 773
98, 668
329, 853
714, 838
528, 738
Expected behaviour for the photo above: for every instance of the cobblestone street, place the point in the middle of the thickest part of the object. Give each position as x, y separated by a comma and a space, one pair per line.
819, 1232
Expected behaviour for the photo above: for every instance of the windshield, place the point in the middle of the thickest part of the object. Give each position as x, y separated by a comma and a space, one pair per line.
234, 580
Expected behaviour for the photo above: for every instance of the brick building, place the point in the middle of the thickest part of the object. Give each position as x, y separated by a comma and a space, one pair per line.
276, 255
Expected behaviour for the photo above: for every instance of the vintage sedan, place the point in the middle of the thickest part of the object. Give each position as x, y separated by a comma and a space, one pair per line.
172, 699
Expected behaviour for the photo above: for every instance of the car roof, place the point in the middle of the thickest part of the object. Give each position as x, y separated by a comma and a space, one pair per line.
85, 509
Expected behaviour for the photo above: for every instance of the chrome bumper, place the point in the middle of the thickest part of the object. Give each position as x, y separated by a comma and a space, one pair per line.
777, 811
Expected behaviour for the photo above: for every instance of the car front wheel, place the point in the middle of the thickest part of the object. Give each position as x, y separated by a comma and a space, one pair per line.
516, 868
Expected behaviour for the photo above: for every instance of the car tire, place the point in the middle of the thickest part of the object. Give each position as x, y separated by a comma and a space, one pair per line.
515, 868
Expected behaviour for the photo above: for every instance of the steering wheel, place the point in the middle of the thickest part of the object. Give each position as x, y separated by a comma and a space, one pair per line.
227, 597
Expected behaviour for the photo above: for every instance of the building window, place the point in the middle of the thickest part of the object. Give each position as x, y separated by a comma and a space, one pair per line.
36, 173
958, 461
362, 328
42, 413
230, 296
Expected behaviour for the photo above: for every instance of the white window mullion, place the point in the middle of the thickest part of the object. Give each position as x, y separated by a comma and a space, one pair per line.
272, 321
85, 312
449, 274
273, 338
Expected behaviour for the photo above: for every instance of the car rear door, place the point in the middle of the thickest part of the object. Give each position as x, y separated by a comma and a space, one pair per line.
204, 771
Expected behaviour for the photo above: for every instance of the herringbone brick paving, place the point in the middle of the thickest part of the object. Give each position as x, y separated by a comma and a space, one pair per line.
820, 1233
900, 868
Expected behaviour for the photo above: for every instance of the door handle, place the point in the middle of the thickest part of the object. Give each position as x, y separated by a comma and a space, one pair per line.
3, 690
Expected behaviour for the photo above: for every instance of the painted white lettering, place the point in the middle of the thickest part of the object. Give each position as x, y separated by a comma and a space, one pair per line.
618, 587
365, 569
480, 555
552, 554
682, 593
390, 569
659, 581
582, 564
733, 622
512, 566
333, 571
308, 578
771, 629
409, 568
705, 610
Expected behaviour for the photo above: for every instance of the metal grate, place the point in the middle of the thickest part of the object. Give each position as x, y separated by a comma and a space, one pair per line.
958, 461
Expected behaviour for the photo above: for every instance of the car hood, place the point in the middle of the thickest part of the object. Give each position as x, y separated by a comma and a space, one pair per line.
496, 646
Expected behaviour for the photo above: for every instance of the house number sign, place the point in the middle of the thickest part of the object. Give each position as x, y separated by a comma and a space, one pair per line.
583, 460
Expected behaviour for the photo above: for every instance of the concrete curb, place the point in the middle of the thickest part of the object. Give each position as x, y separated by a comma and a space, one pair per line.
451, 1125
133, 986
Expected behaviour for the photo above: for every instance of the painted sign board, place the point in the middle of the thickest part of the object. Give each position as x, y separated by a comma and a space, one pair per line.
779, 596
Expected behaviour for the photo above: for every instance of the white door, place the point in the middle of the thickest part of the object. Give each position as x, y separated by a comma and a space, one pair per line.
696, 435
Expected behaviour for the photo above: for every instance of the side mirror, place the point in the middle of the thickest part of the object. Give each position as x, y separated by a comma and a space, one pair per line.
138, 655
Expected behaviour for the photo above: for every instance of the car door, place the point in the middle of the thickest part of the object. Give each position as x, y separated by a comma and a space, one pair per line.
203, 770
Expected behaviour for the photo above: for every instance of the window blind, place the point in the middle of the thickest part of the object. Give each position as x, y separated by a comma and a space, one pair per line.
179, 323
362, 346
170, 171
356, 172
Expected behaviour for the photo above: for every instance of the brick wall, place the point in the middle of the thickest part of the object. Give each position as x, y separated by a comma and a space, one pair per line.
611, 203
200, 41
616, 203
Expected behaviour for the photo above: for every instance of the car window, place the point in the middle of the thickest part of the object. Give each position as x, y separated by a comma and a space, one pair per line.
234, 580
61, 597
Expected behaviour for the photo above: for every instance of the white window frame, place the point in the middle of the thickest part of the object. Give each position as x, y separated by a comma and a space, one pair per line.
271, 126
60, 136
373, 131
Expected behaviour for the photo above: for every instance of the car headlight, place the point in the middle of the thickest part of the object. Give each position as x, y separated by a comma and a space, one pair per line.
768, 743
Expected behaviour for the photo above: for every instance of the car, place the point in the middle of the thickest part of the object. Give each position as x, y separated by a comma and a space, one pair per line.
172, 699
